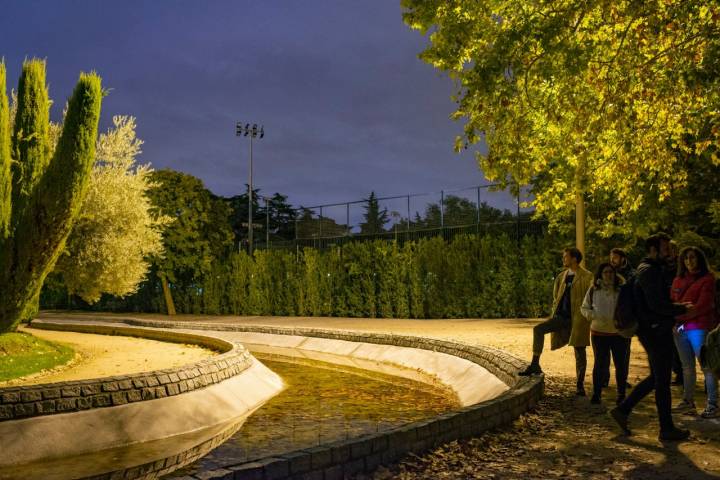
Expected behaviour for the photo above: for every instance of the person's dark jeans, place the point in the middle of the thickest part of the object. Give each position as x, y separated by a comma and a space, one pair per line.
603, 346
659, 351
548, 326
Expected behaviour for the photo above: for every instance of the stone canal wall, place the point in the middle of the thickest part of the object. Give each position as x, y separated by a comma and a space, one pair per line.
64, 397
347, 458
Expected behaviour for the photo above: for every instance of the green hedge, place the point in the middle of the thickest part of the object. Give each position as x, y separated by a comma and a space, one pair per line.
469, 277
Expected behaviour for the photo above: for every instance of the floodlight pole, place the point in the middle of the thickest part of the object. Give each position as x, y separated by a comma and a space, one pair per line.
253, 131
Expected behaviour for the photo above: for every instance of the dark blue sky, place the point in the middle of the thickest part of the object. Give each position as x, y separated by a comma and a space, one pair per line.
347, 105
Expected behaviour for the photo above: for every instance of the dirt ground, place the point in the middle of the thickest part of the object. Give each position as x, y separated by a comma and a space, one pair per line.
564, 437
104, 356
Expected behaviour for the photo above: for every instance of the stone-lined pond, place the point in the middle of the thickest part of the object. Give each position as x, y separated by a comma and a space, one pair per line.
324, 403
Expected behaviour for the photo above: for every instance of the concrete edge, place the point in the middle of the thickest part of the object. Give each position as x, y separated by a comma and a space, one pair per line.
19, 402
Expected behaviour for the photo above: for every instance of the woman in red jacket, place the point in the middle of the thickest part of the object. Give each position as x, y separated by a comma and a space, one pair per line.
695, 283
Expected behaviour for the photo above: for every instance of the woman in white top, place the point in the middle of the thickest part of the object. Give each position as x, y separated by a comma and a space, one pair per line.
599, 308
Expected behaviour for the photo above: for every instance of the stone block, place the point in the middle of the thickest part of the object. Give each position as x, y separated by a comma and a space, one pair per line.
163, 379
83, 403
6, 412
152, 381
110, 387
125, 384
218, 474
248, 471
70, 391
340, 452
354, 467
24, 409
139, 382
373, 461
66, 404
160, 392
360, 448
102, 400
51, 393
172, 388
321, 457
31, 396
11, 397
275, 468
119, 398
314, 475
182, 386
88, 390
174, 377
334, 473
46, 406
299, 462
134, 395
379, 443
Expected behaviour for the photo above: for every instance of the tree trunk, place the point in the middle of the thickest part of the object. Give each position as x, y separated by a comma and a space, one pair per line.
580, 224
168, 295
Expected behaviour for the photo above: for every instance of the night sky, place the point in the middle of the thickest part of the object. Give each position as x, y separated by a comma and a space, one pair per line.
346, 104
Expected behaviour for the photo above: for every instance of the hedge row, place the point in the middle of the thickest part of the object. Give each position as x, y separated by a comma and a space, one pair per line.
469, 276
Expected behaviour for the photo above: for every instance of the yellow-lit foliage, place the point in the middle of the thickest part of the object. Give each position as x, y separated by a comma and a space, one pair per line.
116, 231
602, 98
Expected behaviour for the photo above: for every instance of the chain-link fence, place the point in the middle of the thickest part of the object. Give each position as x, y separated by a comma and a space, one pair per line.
479, 209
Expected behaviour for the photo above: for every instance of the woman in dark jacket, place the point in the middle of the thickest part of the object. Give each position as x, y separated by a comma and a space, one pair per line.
695, 284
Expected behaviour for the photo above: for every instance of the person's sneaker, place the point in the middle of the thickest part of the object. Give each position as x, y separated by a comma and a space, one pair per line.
674, 435
619, 399
711, 411
621, 418
531, 370
685, 407
580, 392
595, 400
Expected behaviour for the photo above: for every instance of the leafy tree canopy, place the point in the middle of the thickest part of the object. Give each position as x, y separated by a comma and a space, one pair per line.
603, 99
200, 231
115, 233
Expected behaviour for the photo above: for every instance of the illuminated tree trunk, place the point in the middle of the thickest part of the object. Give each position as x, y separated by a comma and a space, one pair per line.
46, 193
168, 295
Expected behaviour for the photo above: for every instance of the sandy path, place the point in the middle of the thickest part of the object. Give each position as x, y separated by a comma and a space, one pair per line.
105, 356
511, 335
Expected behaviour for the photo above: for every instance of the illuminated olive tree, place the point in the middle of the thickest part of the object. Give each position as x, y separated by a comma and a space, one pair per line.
40, 193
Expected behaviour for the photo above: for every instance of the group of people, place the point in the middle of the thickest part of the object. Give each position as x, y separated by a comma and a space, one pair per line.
674, 300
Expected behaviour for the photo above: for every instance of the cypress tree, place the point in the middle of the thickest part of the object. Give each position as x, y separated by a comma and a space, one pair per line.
5, 161
47, 192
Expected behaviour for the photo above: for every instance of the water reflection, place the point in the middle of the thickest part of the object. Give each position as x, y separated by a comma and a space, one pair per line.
324, 403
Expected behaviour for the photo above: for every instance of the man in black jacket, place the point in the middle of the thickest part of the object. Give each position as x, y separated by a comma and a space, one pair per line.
656, 318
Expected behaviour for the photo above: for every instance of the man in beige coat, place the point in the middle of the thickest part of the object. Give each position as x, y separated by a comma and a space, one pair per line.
566, 324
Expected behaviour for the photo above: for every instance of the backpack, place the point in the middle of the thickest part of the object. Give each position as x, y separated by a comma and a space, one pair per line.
626, 317
710, 352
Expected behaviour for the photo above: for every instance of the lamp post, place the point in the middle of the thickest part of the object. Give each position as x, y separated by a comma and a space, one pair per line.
244, 131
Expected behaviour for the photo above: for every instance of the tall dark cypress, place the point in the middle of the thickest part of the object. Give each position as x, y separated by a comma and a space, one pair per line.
47, 192
5, 172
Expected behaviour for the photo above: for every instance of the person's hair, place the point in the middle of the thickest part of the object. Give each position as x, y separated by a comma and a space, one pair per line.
620, 252
599, 272
655, 241
574, 252
703, 267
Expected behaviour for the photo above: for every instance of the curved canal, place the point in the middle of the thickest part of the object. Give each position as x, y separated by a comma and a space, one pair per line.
324, 403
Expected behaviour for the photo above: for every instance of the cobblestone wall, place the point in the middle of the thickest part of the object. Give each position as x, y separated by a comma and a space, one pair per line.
63, 397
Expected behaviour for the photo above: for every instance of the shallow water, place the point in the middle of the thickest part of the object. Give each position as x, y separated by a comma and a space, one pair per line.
324, 403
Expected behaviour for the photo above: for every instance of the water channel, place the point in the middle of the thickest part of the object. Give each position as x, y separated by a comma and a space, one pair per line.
324, 403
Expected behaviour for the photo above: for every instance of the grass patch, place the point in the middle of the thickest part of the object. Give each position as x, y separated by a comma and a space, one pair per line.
22, 354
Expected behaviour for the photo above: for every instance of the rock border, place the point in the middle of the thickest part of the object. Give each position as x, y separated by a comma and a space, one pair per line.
19, 402
339, 460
